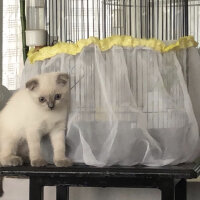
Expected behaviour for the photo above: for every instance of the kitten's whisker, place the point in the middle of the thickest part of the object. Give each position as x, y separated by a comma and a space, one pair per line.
76, 82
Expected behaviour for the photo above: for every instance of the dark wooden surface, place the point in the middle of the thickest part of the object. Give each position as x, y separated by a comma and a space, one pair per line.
171, 180
186, 171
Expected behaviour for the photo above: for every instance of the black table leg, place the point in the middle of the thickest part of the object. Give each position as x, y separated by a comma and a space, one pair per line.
62, 192
1, 186
167, 188
36, 189
181, 190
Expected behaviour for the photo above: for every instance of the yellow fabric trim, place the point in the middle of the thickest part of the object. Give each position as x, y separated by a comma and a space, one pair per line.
107, 43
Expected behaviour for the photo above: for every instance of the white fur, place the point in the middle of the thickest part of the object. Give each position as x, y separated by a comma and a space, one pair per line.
25, 118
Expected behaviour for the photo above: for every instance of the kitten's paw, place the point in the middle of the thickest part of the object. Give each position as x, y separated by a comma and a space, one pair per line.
38, 163
65, 162
11, 161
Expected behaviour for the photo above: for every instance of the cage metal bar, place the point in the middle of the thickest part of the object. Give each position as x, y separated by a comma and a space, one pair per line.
174, 19
87, 9
98, 11
23, 24
170, 19
141, 19
73, 20
146, 17
166, 32
93, 17
162, 22
104, 5
186, 17
135, 18
130, 18
152, 32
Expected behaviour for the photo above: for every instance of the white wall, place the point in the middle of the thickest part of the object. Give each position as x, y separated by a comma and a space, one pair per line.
17, 189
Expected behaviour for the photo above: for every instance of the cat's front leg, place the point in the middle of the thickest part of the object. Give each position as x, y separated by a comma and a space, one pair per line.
8, 152
58, 143
33, 140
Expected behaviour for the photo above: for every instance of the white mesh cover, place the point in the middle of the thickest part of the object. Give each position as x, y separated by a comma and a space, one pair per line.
128, 106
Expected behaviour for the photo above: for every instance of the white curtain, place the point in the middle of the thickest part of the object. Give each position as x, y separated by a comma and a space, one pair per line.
12, 44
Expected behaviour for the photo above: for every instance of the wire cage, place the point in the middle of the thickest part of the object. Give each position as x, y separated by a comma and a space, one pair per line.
70, 21
121, 90
73, 20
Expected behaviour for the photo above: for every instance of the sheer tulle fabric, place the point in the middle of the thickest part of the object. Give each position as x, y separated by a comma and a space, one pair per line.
128, 106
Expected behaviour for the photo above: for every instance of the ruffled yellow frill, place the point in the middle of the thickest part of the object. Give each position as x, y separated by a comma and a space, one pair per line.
107, 43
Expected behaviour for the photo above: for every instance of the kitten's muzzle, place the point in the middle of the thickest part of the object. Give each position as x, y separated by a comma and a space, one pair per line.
51, 105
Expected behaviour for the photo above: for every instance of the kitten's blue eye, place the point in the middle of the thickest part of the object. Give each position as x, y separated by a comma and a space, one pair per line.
57, 96
42, 99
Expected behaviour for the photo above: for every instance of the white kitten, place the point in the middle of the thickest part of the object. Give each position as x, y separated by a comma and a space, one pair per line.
37, 110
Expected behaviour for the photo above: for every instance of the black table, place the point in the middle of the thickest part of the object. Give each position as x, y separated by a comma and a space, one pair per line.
171, 180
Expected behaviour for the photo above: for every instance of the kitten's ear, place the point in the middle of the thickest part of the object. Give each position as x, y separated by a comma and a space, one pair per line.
62, 78
32, 84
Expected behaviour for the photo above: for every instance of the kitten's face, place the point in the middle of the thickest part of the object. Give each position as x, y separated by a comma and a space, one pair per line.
50, 90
